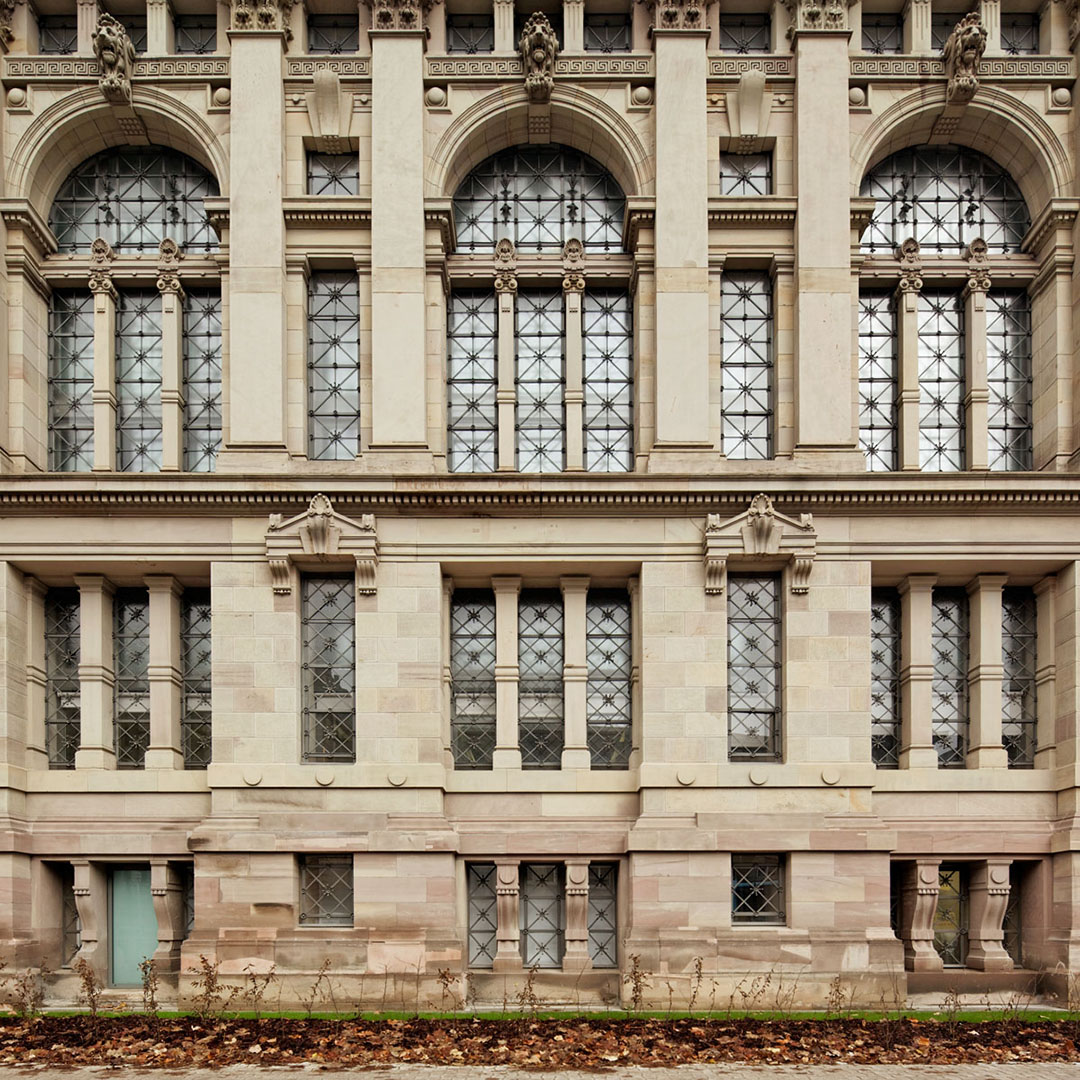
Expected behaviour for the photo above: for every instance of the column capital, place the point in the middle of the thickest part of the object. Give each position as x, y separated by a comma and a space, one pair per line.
506, 584
101, 260
35, 586
977, 257
163, 583
986, 582
1044, 585
94, 583
916, 583
574, 584
910, 260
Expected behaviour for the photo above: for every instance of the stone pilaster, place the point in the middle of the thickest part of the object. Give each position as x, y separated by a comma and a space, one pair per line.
990, 14
977, 393
573, 13
985, 673
507, 754
504, 26
1045, 672
907, 358
575, 753
37, 756
164, 751
917, 26
988, 893
507, 908
576, 953
916, 672
172, 357
86, 14
159, 28
104, 392
506, 365
919, 903
97, 744
574, 393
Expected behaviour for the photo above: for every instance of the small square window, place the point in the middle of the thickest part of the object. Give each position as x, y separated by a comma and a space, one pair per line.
745, 33
607, 33
333, 34
941, 26
1020, 33
333, 174
135, 25
326, 890
882, 32
757, 890
745, 174
196, 35
58, 35
470, 34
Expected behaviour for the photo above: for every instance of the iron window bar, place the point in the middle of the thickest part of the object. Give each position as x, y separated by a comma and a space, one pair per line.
470, 34
745, 174
1018, 687
542, 913
1008, 377
942, 381
754, 668
195, 678
131, 690
138, 381
607, 33
757, 890
540, 679
333, 174
195, 35
744, 33
882, 32
202, 379
328, 668
71, 381
609, 659
878, 413
472, 380
333, 324
333, 34
63, 696
951, 916
885, 678
603, 921
58, 35
746, 343
483, 914
608, 380
949, 685
472, 679
326, 890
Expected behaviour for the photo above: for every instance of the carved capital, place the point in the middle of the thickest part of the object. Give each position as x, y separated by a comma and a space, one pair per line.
910, 260
169, 256
101, 260
978, 260
399, 14
573, 260
810, 15
116, 58
538, 47
678, 14
963, 50
262, 15
505, 266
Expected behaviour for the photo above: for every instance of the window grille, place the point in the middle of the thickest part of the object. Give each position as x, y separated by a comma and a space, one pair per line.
195, 656
877, 381
1018, 689
1020, 34
470, 34
541, 378
540, 679
944, 197
138, 381
951, 916
58, 35
71, 381
472, 679
135, 25
608, 380
603, 922
483, 914
896, 893
71, 924
949, 711
754, 653
195, 34
746, 331
333, 34
1013, 923
135, 198
941, 381
941, 26
472, 380
609, 659
757, 890
1008, 376
62, 692
882, 32
539, 197
745, 174
333, 366
542, 914
131, 692
333, 174
885, 678
329, 668
202, 379
744, 33
326, 890
187, 876
607, 33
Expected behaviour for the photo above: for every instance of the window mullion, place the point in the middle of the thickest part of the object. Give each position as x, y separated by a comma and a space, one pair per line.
985, 673
575, 754
907, 367
505, 393
507, 754
172, 360
104, 395
977, 398
574, 394
96, 673
916, 672
163, 673
1045, 672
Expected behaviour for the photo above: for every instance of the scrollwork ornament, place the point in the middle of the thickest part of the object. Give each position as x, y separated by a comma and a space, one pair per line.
810, 15
678, 14
505, 266
910, 260
538, 47
573, 260
978, 260
169, 256
101, 260
962, 52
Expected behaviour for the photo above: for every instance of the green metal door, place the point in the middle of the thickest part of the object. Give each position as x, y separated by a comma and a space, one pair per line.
133, 924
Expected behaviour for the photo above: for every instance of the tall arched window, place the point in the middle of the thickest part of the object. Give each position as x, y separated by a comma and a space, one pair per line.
540, 368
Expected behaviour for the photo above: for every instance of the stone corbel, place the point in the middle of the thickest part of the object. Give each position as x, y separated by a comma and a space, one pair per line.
977, 256
262, 15
330, 116
910, 260
505, 266
115, 55
538, 47
748, 110
759, 533
318, 538
573, 261
101, 260
962, 52
919, 903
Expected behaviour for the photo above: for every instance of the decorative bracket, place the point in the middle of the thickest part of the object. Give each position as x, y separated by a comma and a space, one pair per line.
538, 47
329, 113
910, 260
573, 261
505, 266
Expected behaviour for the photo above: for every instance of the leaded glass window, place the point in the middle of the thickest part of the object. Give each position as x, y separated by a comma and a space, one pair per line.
746, 336
138, 381
609, 659
944, 197
1020, 33
542, 914
470, 34
1018, 658
472, 333
483, 914
539, 197
195, 681
329, 668
333, 321
882, 32
135, 25
1012, 926
607, 33
745, 174
62, 692
333, 34
131, 691
757, 890
71, 381
754, 654
1008, 377
951, 916
472, 678
202, 379
326, 890
941, 381
877, 381
941, 26
885, 678
333, 174
949, 708
58, 35
608, 380
540, 679
195, 34
70, 923
744, 33
541, 378
603, 922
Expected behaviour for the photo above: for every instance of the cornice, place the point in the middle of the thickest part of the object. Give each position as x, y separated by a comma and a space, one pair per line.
1057, 214
20, 214
922, 68
767, 210
328, 213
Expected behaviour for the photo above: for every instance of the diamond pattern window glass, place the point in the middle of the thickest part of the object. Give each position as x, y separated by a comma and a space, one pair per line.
607, 33
483, 914
1008, 376
326, 890
71, 924
944, 197
1018, 660
333, 321
746, 332
744, 33
540, 679
745, 174
542, 914
329, 668
539, 197
603, 922
195, 655
885, 678
951, 916
138, 381
333, 174
131, 690
71, 381
470, 34
541, 378
472, 678
62, 693
58, 35
472, 380
949, 708
333, 34
202, 379
754, 655
608, 380
757, 890
1020, 33
135, 198
941, 381
882, 32
609, 659
877, 381
195, 34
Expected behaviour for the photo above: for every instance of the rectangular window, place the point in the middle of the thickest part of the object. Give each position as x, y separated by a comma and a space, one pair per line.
131, 691
195, 35
885, 678
745, 174
941, 381
1008, 377
1012, 925
1018, 658
951, 916
608, 380
326, 890
754, 655
609, 659
949, 708
1020, 33
187, 878
329, 668
71, 381
472, 678
603, 922
71, 924
195, 669
541, 377
941, 26
757, 890
746, 329
882, 32
540, 679
135, 25
877, 381
333, 366
542, 911
472, 333
58, 35
333, 34
138, 381
483, 914
607, 33
470, 34
202, 379
333, 174
744, 33
62, 693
